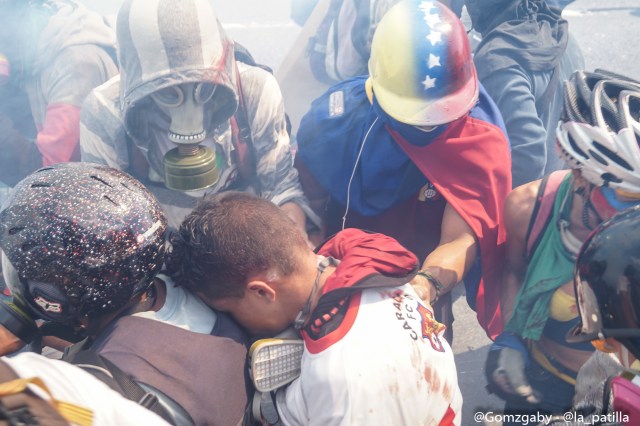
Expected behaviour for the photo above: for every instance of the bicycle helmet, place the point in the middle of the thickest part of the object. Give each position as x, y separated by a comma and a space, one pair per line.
80, 240
421, 68
607, 283
599, 131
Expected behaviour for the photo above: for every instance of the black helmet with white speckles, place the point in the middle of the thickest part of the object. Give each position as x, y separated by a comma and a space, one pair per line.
607, 283
80, 240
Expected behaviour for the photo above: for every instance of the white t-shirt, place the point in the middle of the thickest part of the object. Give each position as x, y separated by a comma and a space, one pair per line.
386, 364
183, 309
71, 384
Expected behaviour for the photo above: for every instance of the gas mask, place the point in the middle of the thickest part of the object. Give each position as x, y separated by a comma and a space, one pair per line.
190, 166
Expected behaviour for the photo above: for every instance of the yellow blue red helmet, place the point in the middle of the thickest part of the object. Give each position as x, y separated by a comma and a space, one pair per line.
421, 68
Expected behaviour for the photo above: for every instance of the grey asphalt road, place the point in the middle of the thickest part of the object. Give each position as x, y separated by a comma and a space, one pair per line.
608, 33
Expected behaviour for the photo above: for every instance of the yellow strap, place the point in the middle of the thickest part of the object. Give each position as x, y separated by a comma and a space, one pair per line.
544, 362
71, 412
368, 88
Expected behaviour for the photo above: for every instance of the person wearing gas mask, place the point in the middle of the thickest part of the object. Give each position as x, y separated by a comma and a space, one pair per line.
83, 245
54, 52
607, 288
525, 55
187, 118
531, 365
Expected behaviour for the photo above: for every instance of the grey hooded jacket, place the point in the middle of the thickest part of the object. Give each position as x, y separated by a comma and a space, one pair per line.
167, 42
524, 43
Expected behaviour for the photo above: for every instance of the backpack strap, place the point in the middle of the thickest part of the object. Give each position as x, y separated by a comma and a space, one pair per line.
243, 143
542, 210
81, 355
317, 46
242, 54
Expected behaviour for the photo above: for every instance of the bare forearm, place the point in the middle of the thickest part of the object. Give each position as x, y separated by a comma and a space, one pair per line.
510, 286
450, 262
447, 265
9, 343
457, 251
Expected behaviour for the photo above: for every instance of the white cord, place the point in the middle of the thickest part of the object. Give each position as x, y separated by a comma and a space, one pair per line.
355, 166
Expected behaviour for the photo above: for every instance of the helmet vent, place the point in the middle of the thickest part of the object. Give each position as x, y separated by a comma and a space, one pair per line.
575, 109
106, 197
612, 155
611, 118
15, 230
598, 158
99, 179
575, 146
43, 170
40, 185
28, 245
608, 177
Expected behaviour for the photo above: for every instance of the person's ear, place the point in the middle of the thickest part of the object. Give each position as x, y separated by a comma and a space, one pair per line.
261, 290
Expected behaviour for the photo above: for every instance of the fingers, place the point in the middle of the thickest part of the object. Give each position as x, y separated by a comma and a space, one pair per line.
422, 287
28, 408
526, 392
510, 376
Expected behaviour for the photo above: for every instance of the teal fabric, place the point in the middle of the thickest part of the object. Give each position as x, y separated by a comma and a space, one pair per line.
550, 267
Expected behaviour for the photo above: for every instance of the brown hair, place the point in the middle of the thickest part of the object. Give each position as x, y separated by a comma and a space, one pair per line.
230, 237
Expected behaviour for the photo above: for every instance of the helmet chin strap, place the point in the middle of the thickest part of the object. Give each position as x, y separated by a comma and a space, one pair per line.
303, 315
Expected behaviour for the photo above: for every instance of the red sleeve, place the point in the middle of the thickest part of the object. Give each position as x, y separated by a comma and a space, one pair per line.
470, 165
58, 140
365, 254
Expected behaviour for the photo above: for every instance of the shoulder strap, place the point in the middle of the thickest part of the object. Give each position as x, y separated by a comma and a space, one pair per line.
242, 54
243, 144
361, 27
542, 210
317, 45
240, 128
107, 372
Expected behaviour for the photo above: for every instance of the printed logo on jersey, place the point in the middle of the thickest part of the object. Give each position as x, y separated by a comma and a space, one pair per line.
47, 305
405, 312
408, 308
336, 104
428, 193
431, 328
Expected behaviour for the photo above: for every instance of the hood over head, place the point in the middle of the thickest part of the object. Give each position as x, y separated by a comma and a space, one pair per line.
169, 42
526, 33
